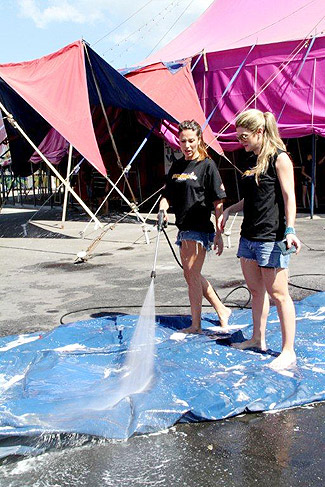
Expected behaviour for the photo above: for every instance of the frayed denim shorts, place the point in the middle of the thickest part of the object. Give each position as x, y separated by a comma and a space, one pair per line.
205, 239
266, 254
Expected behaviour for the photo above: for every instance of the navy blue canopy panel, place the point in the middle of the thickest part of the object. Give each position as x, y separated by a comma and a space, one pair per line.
64, 380
117, 91
30, 121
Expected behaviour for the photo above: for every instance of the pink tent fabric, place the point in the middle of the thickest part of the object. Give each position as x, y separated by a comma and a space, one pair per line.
233, 24
297, 99
177, 92
53, 146
275, 31
56, 87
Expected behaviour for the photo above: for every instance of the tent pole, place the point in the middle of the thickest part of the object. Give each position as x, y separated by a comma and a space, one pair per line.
65, 201
33, 181
101, 102
313, 175
313, 170
125, 171
255, 86
12, 187
264, 86
2, 184
296, 77
13, 122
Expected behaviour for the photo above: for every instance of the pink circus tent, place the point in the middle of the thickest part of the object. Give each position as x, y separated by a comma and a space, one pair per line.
268, 55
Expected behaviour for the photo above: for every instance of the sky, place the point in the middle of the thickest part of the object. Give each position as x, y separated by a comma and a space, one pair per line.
123, 32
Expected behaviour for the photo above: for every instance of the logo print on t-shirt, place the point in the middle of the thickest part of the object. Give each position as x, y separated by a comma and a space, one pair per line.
184, 176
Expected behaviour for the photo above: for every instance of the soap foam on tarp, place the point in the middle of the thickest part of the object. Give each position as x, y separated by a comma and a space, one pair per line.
198, 378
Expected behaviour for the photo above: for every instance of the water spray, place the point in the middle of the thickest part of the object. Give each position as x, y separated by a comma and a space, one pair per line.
161, 224
139, 362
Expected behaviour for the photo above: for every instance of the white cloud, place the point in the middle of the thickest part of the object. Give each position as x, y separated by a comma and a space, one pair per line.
55, 11
46, 12
98, 17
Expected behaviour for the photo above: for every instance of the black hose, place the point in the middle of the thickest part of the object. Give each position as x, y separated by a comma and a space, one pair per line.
235, 289
222, 300
185, 305
310, 248
172, 249
128, 306
304, 287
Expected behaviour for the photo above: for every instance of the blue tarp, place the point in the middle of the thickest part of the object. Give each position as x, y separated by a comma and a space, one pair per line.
61, 381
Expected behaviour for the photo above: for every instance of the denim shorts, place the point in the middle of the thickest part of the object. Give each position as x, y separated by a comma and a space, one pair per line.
205, 239
267, 254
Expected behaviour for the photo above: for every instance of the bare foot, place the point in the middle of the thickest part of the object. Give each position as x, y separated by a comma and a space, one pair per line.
224, 317
191, 329
252, 343
284, 360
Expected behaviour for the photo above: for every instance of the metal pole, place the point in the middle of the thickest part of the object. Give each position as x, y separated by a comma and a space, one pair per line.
313, 176
3, 183
49, 186
313, 171
58, 175
33, 181
65, 201
12, 186
20, 192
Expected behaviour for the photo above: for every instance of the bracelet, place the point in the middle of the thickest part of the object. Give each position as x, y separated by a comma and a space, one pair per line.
289, 230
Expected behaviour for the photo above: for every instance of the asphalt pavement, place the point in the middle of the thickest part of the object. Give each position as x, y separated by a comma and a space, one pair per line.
44, 283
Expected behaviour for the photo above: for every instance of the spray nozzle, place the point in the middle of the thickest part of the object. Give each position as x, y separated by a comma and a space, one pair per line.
120, 328
161, 223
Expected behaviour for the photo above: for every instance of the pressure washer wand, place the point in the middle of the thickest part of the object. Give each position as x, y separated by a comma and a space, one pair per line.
161, 223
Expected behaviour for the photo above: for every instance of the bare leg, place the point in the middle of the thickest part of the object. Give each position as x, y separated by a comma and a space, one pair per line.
192, 256
276, 282
222, 311
260, 304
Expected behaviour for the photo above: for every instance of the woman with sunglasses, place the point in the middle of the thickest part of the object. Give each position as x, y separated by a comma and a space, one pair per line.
267, 232
193, 187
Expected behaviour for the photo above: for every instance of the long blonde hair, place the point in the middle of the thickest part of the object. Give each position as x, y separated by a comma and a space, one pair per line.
193, 125
253, 120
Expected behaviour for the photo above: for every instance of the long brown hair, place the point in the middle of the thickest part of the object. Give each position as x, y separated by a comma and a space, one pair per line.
193, 125
253, 120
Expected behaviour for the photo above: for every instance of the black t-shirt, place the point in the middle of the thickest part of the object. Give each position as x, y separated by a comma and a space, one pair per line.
191, 188
264, 217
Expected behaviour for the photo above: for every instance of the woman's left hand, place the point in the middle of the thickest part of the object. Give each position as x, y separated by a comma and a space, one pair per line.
218, 244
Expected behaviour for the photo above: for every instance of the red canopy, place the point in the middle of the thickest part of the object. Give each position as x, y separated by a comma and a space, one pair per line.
56, 87
176, 93
60, 91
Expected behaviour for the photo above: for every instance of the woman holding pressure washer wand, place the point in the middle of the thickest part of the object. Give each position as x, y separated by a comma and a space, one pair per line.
267, 232
193, 186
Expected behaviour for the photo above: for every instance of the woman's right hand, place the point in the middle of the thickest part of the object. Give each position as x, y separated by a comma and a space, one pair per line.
165, 214
222, 220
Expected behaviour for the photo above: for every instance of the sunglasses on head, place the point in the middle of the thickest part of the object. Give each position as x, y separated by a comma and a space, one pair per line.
244, 137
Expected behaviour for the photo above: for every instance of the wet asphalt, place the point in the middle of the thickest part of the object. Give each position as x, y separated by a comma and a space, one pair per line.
42, 286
